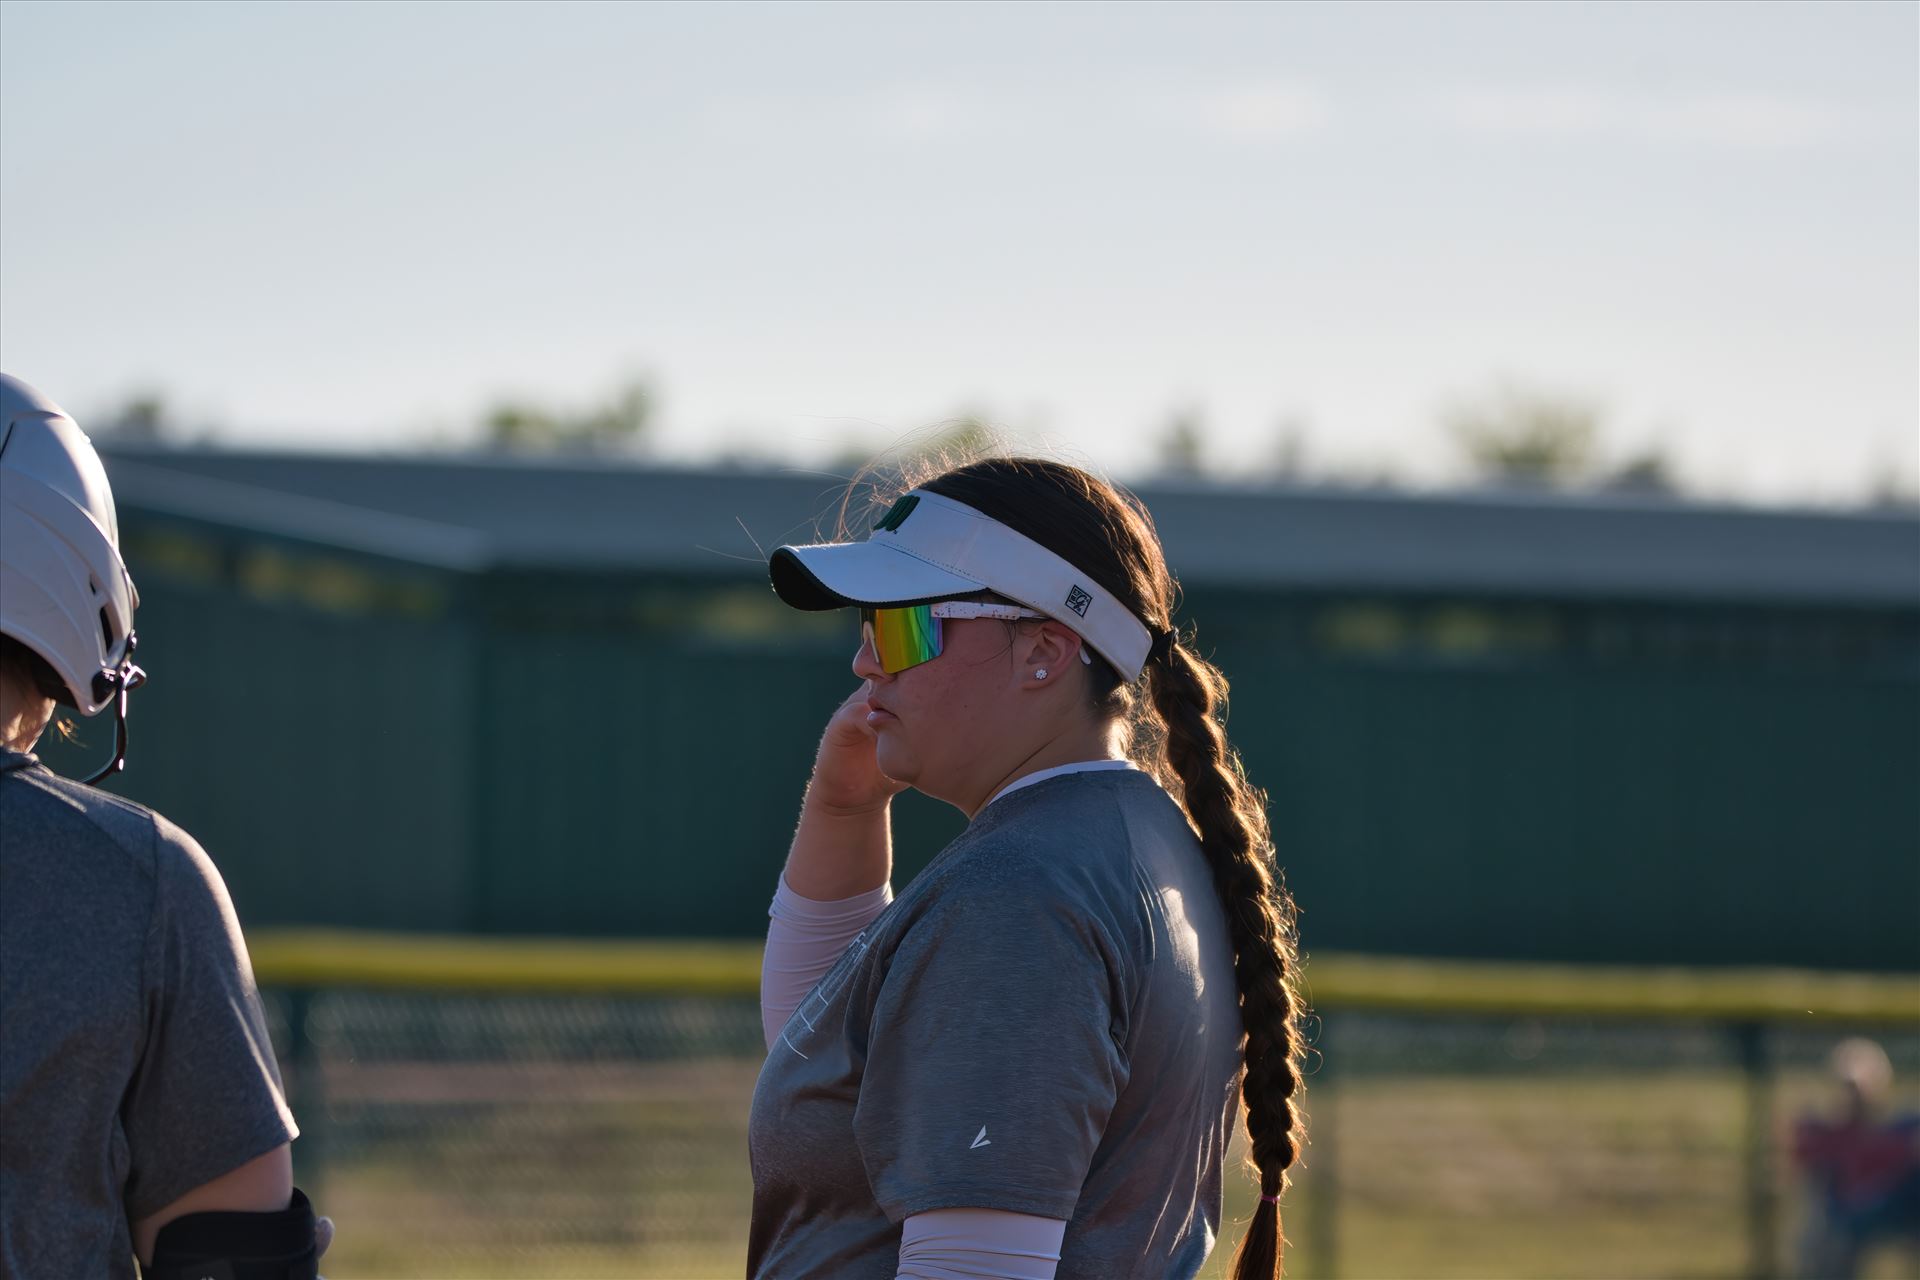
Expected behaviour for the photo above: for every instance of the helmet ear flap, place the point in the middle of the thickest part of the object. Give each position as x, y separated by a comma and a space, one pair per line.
28, 665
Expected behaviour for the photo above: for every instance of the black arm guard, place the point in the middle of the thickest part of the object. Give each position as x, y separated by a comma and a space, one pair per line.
238, 1246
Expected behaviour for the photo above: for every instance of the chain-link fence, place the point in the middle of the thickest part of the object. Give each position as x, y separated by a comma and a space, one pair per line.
557, 1134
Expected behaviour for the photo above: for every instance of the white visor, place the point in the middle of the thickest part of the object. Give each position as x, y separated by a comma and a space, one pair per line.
928, 548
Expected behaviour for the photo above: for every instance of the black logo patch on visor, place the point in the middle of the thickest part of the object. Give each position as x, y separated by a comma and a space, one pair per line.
1078, 600
897, 514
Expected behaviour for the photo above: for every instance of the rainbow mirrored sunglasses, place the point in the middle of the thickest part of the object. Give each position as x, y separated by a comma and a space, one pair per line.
909, 635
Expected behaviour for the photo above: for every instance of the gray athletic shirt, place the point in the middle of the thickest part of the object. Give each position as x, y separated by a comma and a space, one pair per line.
134, 1061
1044, 1022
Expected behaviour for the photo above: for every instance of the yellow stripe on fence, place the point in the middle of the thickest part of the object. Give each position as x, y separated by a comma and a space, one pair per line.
437, 962
1714, 995
425, 962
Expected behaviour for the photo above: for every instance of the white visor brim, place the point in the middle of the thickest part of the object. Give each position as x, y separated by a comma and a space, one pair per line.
930, 548
837, 575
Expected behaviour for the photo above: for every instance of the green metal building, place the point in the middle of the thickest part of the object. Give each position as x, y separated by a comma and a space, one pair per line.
477, 695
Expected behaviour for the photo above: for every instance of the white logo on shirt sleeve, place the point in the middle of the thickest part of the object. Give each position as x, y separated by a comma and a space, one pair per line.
980, 1139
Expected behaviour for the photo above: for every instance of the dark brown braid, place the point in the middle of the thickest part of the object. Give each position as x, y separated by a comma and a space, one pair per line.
1179, 732
1190, 694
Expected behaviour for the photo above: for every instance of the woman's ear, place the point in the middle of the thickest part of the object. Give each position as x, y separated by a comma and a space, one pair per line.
1046, 652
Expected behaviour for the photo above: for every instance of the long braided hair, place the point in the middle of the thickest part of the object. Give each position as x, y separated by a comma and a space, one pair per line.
1178, 732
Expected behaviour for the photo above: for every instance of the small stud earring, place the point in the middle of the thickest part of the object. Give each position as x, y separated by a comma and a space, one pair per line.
1041, 674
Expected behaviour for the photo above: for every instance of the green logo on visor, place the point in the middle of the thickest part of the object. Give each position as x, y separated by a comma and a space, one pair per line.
897, 514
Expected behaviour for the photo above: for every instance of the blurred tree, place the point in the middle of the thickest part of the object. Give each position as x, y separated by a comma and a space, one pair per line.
1893, 488
622, 423
1289, 461
519, 427
622, 420
141, 419
1650, 472
1182, 446
1518, 435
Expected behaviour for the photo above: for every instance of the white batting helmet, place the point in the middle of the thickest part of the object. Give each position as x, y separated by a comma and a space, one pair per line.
64, 590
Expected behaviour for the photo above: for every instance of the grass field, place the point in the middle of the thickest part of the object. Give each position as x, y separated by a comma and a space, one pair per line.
541, 1109
638, 1170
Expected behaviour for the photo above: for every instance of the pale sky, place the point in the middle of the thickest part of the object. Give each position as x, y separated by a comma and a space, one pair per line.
354, 225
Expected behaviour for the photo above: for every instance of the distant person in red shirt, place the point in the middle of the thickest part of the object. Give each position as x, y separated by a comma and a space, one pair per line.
1862, 1168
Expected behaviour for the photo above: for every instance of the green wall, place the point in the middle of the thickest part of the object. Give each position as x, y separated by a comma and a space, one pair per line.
359, 742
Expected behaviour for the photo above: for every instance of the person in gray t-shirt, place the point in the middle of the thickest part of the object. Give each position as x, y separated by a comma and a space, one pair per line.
134, 1062
1026, 1066
141, 1112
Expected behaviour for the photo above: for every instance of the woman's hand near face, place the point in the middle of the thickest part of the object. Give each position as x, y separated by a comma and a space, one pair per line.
844, 844
846, 774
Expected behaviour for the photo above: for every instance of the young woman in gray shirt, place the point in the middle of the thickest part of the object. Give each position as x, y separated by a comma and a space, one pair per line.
140, 1104
1027, 1065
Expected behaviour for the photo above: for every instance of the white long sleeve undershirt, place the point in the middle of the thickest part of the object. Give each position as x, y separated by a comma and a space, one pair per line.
980, 1244
804, 938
